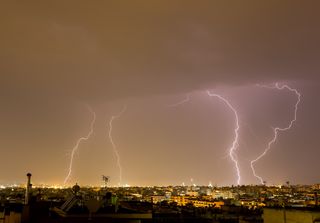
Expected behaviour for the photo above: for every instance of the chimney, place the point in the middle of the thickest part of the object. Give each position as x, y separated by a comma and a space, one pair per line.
28, 189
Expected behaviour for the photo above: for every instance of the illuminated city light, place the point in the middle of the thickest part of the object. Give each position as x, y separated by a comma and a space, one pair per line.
276, 130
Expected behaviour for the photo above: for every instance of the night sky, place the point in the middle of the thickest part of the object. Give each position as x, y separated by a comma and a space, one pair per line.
59, 57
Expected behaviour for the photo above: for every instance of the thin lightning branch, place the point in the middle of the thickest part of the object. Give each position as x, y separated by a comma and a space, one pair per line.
114, 147
75, 148
187, 99
235, 142
276, 130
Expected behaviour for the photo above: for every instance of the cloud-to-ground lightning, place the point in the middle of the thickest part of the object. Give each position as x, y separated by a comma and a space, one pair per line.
276, 130
235, 142
75, 148
114, 147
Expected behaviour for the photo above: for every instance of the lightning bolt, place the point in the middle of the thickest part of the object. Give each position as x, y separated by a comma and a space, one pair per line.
235, 142
114, 147
75, 148
276, 130
187, 99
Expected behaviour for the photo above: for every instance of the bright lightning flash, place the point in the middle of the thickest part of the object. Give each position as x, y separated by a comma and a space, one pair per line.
114, 147
75, 148
235, 142
276, 130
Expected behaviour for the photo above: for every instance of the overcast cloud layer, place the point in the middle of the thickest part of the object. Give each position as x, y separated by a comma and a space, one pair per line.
56, 56
122, 48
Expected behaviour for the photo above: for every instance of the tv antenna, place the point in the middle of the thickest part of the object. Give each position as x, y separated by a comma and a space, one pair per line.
105, 179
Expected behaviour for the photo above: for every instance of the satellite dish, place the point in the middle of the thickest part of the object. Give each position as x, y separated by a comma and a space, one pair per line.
76, 188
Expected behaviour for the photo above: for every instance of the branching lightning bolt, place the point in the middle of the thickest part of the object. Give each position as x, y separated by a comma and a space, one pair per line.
187, 99
235, 142
114, 147
75, 148
276, 130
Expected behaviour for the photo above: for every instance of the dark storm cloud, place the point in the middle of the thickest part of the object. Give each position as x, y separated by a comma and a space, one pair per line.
121, 48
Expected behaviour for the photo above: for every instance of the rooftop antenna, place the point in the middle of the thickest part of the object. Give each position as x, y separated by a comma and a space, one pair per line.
105, 179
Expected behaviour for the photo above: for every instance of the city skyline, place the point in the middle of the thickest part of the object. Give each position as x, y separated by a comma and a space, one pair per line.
158, 61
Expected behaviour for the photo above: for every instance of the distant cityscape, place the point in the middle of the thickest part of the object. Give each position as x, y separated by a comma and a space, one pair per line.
193, 203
